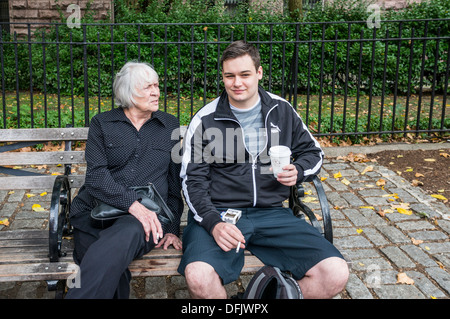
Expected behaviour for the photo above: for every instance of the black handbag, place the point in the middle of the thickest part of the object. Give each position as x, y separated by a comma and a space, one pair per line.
104, 215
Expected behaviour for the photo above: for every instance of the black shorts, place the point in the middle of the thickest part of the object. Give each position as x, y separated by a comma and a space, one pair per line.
274, 235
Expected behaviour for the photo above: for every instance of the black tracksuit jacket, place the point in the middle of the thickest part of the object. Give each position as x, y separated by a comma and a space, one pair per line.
217, 170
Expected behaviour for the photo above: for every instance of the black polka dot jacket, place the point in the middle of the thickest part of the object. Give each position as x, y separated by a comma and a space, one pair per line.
118, 157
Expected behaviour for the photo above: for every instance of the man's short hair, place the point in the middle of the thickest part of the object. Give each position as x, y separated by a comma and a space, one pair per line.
240, 48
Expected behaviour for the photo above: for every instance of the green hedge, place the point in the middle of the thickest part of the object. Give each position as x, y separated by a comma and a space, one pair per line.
246, 22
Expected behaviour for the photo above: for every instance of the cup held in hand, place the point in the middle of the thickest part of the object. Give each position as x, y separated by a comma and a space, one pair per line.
280, 156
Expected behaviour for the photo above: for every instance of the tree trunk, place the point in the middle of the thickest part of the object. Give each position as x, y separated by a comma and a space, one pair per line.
295, 8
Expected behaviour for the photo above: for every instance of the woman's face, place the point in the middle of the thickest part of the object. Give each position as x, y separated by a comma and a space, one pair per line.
148, 99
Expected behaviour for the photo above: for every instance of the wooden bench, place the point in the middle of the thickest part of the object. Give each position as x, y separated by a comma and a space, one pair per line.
29, 255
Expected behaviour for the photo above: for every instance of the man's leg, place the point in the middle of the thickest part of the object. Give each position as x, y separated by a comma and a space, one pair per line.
326, 279
203, 281
205, 265
293, 245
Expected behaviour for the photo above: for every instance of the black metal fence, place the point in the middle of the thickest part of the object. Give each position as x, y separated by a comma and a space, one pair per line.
344, 78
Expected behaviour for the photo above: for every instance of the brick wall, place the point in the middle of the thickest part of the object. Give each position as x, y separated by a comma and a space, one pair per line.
391, 4
48, 11
395, 4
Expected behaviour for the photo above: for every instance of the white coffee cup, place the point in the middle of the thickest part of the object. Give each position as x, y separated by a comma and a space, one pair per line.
280, 156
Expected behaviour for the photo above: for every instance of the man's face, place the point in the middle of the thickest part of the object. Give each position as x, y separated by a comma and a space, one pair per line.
241, 79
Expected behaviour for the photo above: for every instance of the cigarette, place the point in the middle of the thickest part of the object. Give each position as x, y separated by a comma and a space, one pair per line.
238, 247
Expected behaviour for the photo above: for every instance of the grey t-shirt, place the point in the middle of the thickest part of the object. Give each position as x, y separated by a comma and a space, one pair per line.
253, 127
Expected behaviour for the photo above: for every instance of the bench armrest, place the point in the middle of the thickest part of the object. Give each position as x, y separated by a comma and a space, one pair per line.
59, 216
298, 207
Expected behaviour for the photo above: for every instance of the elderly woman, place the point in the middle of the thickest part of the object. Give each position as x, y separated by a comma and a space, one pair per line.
127, 146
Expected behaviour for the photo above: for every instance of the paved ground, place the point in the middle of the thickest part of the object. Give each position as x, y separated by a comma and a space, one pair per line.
392, 255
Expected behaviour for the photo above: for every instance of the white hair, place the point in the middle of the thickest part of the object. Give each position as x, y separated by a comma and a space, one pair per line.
132, 77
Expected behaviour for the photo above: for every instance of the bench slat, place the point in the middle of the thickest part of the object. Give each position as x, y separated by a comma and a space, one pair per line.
32, 242
37, 182
24, 256
44, 134
48, 158
36, 271
21, 233
138, 268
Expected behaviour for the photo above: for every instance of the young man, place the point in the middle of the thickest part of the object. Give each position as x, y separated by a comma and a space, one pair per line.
226, 165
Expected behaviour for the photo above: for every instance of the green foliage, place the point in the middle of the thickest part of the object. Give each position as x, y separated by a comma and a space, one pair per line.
197, 32
183, 40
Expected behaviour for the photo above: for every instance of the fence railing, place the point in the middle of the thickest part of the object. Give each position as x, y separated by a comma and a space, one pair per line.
344, 78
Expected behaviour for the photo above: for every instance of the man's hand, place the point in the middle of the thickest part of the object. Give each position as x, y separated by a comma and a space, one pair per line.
228, 236
288, 176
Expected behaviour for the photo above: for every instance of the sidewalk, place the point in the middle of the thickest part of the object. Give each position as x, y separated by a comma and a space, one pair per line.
380, 249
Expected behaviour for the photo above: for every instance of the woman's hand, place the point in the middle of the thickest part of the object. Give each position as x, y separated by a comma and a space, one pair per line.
170, 239
149, 221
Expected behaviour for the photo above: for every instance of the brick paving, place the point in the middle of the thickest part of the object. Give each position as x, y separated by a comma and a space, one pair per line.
378, 248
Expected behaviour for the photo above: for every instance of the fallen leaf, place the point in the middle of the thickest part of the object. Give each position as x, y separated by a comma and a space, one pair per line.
323, 178
441, 265
399, 156
10, 192
43, 194
368, 207
381, 212
429, 160
309, 199
37, 208
409, 170
401, 205
345, 181
359, 230
419, 175
56, 173
4, 222
446, 155
402, 278
318, 217
367, 169
416, 241
404, 211
438, 196
381, 182
415, 182
337, 175
30, 195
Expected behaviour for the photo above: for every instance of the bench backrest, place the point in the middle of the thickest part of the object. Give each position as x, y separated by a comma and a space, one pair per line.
14, 139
